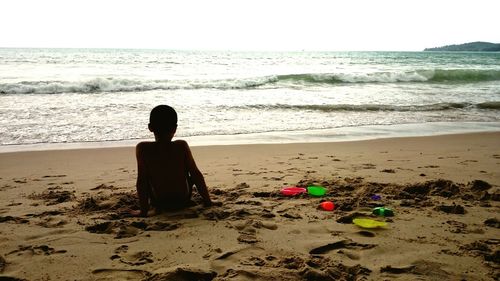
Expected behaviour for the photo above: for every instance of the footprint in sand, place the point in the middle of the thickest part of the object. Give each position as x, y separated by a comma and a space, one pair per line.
488, 249
451, 209
457, 227
216, 214
420, 268
20, 180
185, 274
119, 202
53, 197
292, 263
248, 230
244, 263
125, 229
322, 268
16, 220
52, 222
492, 222
247, 238
121, 274
255, 224
46, 214
343, 244
35, 250
103, 227
254, 263
121, 249
267, 214
135, 259
104, 186
290, 214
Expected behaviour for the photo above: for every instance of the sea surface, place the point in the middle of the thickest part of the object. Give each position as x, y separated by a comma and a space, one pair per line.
104, 96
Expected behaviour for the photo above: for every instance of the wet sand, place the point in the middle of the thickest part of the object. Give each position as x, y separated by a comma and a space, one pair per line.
63, 214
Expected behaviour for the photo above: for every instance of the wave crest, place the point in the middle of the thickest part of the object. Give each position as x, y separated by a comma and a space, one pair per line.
429, 75
99, 85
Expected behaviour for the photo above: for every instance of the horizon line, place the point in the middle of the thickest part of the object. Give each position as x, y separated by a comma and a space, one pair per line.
214, 49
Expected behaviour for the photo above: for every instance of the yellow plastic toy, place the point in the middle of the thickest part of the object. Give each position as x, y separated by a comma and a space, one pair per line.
368, 223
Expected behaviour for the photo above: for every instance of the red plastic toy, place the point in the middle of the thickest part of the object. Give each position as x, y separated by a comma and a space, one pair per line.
327, 205
292, 191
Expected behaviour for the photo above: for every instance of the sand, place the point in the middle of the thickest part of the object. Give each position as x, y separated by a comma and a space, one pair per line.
63, 214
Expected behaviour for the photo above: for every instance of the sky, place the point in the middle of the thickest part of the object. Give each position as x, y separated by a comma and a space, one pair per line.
258, 25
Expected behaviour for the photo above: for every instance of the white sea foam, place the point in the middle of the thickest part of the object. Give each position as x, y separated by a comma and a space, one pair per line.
98, 85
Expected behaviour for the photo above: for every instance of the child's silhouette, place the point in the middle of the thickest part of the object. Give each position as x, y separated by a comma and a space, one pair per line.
166, 169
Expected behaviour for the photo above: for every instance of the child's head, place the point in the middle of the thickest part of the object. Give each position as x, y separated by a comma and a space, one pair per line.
163, 120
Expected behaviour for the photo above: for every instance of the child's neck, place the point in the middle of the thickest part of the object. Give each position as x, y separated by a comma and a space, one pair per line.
163, 138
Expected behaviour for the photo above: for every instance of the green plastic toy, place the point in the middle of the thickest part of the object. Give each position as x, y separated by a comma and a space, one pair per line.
383, 212
316, 190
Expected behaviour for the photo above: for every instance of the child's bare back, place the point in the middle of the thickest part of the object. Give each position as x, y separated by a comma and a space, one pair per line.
165, 168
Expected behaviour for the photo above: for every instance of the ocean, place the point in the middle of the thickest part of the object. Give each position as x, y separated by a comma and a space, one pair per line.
98, 97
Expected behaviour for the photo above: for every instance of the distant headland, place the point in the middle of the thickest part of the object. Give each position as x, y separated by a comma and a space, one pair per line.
468, 47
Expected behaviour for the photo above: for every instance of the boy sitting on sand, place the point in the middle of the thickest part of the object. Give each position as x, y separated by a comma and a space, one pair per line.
165, 168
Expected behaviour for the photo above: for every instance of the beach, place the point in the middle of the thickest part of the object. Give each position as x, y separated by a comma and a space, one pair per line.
64, 216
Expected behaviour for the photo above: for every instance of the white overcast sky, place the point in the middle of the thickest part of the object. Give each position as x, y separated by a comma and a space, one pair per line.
248, 24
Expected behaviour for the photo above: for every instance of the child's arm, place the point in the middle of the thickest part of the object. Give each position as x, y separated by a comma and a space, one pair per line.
197, 176
142, 182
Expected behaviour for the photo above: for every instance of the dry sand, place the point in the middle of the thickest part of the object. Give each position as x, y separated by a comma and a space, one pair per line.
62, 214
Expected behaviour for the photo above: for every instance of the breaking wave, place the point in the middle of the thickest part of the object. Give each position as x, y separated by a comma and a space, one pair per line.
431, 75
99, 85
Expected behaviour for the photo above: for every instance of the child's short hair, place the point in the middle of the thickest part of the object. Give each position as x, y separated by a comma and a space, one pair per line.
163, 119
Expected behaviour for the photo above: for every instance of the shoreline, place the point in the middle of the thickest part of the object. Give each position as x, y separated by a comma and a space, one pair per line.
368, 151
344, 134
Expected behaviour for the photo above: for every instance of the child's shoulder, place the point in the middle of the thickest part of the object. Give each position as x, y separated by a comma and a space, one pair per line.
144, 144
181, 144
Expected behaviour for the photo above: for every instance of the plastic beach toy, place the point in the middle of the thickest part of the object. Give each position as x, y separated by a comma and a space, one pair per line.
327, 205
316, 190
368, 223
383, 212
292, 191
